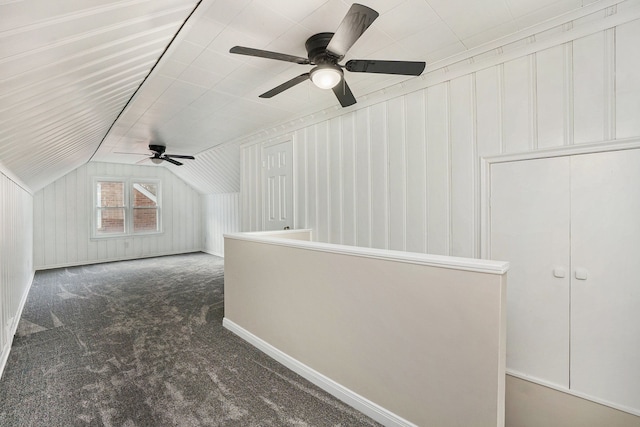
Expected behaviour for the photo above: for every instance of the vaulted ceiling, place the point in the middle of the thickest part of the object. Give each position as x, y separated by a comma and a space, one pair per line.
90, 80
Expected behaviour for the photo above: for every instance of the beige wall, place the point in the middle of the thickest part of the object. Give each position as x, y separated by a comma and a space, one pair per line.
426, 343
533, 405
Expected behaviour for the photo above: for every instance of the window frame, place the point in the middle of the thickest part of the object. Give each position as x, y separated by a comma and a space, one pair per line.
129, 207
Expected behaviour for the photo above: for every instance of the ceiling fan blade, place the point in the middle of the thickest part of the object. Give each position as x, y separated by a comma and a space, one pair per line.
286, 85
145, 160
241, 50
407, 68
353, 25
133, 154
344, 94
179, 156
170, 160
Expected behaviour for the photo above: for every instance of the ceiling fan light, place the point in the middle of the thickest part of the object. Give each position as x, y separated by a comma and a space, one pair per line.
326, 77
156, 160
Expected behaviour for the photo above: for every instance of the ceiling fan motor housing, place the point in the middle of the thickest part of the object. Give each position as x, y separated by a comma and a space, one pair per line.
316, 46
157, 148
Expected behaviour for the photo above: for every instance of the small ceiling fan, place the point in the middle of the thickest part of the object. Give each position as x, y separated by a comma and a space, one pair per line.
325, 50
159, 155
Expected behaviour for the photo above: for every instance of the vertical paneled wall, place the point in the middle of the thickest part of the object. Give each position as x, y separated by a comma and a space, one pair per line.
404, 174
220, 215
62, 219
16, 258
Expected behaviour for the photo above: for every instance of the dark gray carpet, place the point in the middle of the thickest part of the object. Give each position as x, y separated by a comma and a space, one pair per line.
141, 343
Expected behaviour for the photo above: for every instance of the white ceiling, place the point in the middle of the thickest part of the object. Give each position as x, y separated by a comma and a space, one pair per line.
69, 69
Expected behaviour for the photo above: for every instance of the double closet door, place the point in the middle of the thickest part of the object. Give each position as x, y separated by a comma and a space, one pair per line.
570, 228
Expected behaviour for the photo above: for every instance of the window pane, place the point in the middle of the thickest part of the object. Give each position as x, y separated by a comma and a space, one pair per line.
145, 219
110, 194
110, 220
145, 195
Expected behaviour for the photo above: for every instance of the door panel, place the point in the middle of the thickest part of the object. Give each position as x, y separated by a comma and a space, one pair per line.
530, 224
278, 189
605, 302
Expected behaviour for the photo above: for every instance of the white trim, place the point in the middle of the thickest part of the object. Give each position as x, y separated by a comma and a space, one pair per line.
14, 178
441, 261
565, 390
125, 258
569, 150
337, 390
221, 255
4, 356
128, 185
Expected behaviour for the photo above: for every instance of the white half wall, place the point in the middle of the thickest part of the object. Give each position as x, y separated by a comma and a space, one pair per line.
16, 258
62, 219
220, 215
404, 173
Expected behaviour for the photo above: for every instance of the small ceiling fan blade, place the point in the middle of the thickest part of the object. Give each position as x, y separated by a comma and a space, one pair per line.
145, 160
170, 160
286, 85
180, 156
353, 25
344, 94
131, 154
406, 68
241, 50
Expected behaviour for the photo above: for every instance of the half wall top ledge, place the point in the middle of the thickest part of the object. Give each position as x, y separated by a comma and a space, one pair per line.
302, 238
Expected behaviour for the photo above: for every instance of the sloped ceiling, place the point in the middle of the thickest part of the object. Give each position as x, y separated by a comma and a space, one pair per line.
67, 69
89, 80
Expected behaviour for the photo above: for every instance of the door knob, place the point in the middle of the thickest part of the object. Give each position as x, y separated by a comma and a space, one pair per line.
581, 274
558, 272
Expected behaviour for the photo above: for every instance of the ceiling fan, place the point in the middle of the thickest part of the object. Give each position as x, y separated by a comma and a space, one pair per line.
159, 156
325, 50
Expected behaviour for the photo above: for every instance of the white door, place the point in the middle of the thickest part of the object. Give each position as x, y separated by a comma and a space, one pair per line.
530, 224
278, 191
605, 295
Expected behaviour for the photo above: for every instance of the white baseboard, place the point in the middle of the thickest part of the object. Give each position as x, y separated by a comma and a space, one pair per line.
214, 253
116, 259
349, 397
4, 356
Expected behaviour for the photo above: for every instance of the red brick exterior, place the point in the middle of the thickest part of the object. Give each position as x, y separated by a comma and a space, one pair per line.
145, 219
112, 214
112, 197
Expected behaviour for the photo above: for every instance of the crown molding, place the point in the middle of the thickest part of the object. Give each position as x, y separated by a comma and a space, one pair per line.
598, 16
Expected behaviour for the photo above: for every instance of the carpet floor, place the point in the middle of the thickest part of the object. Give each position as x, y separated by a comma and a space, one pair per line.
141, 343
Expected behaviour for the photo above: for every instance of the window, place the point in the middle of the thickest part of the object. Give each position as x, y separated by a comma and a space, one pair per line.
145, 206
125, 206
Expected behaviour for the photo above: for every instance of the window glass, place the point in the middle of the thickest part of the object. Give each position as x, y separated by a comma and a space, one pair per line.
110, 209
145, 206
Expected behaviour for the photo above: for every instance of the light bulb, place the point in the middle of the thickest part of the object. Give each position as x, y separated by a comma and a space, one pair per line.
326, 77
156, 160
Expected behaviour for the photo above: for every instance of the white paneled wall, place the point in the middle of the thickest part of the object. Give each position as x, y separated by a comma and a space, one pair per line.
16, 258
62, 219
220, 215
404, 173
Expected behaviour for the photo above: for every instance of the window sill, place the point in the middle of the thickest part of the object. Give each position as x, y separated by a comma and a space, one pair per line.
125, 235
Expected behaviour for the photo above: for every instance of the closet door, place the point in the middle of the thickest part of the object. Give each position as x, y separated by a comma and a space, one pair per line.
605, 288
530, 224
278, 186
